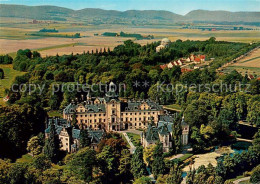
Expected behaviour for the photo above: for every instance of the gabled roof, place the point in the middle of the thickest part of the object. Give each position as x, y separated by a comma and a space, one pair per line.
152, 133
75, 133
95, 135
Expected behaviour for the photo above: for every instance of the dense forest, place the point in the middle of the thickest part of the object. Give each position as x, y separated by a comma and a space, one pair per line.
213, 115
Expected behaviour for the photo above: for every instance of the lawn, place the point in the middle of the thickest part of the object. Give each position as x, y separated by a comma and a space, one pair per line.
135, 138
185, 157
55, 114
174, 107
25, 158
6, 83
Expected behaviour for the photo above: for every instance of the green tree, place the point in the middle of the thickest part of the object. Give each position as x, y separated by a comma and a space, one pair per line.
82, 164
125, 166
84, 138
137, 164
2, 75
158, 165
175, 176
51, 147
143, 180
34, 146
255, 177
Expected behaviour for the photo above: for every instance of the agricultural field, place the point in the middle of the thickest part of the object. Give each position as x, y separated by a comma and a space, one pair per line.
248, 65
18, 34
5, 83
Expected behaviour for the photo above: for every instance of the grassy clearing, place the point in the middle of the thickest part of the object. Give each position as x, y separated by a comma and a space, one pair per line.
135, 138
55, 114
6, 83
25, 158
175, 107
185, 157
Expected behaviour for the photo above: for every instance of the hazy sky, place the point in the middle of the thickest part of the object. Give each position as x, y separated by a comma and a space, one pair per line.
176, 6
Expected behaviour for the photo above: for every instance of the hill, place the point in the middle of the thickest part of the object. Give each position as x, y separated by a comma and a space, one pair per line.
222, 16
94, 16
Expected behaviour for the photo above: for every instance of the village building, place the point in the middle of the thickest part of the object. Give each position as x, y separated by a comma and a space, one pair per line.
112, 114
163, 133
70, 136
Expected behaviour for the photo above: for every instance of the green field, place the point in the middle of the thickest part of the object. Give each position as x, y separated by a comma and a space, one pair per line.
6, 83
24, 159
135, 138
174, 107
243, 70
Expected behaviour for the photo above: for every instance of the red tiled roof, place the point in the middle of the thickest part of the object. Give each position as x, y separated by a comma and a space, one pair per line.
202, 56
185, 70
163, 66
197, 59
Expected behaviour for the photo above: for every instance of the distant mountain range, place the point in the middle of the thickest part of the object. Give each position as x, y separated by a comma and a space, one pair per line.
99, 16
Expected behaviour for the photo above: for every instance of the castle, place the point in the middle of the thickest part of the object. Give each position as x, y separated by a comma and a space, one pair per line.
112, 114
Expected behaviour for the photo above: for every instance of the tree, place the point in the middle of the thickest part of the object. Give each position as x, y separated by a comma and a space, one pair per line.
51, 147
175, 176
33, 146
4, 169
143, 180
41, 162
84, 138
137, 164
148, 155
125, 166
176, 136
190, 176
255, 177
17, 173
158, 165
82, 164
74, 120
2, 75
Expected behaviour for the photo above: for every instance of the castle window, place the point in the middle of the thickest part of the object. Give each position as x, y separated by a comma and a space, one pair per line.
139, 113
130, 113
135, 119
86, 115
95, 115
104, 120
139, 119
144, 113
125, 113
130, 119
122, 119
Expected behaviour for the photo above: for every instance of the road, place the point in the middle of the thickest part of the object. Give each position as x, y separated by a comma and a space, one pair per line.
241, 179
132, 147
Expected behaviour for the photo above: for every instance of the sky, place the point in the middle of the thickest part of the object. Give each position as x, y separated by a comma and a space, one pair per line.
176, 6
